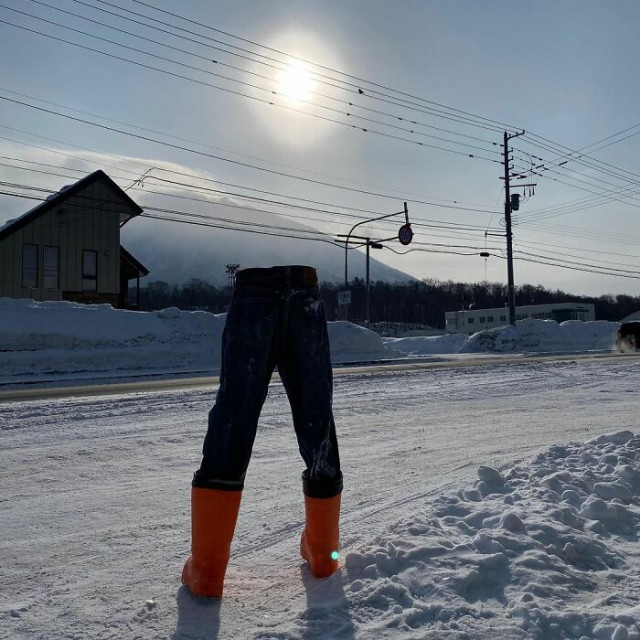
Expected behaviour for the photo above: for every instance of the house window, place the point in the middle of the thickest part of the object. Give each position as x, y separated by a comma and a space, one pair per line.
482, 318
470, 320
489, 318
51, 268
503, 318
30, 266
89, 270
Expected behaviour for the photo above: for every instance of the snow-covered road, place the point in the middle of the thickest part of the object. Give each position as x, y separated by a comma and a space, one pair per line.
94, 509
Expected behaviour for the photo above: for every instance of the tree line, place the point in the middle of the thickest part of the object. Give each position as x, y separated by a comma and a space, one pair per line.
421, 303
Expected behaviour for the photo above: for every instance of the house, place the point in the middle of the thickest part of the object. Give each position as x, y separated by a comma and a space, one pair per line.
472, 320
68, 247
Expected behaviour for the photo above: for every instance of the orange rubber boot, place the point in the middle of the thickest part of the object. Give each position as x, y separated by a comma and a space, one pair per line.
213, 521
320, 538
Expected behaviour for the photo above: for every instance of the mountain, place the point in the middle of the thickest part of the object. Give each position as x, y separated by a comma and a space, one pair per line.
176, 252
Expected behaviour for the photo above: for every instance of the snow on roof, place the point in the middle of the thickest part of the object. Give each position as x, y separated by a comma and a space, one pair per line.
66, 191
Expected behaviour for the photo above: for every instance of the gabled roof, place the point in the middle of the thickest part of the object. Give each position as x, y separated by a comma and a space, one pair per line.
64, 194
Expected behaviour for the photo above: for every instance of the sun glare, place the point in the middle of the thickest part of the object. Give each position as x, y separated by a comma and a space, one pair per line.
295, 82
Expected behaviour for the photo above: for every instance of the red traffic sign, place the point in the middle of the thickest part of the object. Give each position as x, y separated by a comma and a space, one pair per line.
405, 235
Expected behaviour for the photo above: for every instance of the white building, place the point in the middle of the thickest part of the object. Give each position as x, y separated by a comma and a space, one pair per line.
472, 320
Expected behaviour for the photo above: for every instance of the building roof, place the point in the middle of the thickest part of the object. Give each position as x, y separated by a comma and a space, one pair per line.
64, 194
136, 266
555, 306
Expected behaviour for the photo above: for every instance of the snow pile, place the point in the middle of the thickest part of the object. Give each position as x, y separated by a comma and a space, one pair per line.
351, 342
545, 336
528, 336
45, 340
543, 551
428, 345
67, 339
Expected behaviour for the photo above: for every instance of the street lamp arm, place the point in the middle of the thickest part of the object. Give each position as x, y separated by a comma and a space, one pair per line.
355, 226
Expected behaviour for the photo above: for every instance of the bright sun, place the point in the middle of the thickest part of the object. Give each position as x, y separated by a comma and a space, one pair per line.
295, 82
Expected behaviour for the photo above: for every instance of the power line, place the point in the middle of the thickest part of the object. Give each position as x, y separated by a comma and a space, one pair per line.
430, 223
621, 193
217, 224
168, 215
217, 157
564, 260
442, 110
572, 268
565, 151
206, 146
161, 43
523, 219
252, 73
579, 205
266, 101
213, 221
572, 255
418, 222
573, 232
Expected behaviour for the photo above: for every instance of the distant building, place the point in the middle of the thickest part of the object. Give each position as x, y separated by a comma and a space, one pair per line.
472, 320
632, 316
68, 247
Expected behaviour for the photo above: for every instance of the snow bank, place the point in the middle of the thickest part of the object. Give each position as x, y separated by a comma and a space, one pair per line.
545, 336
351, 342
528, 336
58, 339
547, 550
46, 340
67, 339
428, 345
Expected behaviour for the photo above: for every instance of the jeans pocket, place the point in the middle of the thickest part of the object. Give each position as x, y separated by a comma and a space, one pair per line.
251, 320
313, 323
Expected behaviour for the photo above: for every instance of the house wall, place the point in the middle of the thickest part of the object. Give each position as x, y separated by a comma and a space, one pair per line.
88, 220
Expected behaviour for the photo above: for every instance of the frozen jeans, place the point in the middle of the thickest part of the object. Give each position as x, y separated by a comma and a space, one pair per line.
276, 318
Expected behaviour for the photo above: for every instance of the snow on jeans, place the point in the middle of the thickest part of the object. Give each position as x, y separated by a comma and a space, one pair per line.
276, 318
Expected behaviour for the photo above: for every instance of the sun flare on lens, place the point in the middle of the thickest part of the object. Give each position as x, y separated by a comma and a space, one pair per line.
295, 82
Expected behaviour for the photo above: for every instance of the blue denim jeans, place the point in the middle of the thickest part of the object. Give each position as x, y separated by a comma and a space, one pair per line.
276, 318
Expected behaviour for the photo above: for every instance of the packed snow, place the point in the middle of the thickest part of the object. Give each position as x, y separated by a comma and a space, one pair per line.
538, 539
497, 501
528, 336
42, 341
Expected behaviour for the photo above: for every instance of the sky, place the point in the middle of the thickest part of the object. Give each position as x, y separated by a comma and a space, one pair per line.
336, 112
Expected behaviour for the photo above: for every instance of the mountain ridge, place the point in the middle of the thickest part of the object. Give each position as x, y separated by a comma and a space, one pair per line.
176, 253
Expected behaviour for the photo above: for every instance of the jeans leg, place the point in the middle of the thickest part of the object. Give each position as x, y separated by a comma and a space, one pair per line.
248, 360
305, 368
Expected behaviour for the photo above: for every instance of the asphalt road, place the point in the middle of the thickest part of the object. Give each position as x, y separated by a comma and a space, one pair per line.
30, 392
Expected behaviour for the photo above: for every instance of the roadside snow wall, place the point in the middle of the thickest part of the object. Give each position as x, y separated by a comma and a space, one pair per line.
67, 339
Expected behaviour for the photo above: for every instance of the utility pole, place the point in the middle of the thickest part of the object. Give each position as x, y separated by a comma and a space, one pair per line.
511, 293
367, 311
370, 244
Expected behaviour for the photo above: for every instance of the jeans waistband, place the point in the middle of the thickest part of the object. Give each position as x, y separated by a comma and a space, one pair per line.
285, 276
